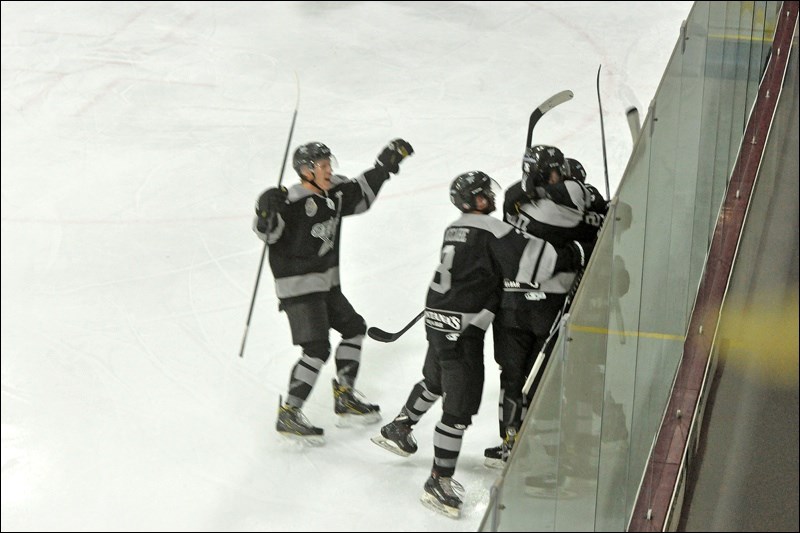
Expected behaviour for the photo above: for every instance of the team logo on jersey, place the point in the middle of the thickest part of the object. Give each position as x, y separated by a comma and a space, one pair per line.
535, 296
311, 208
324, 231
443, 321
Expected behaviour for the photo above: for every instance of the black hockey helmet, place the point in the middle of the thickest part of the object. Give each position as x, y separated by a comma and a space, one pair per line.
308, 154
537, 164
576, 170
468, 186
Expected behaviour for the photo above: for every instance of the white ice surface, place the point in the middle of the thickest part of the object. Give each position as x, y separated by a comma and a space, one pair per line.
136, 137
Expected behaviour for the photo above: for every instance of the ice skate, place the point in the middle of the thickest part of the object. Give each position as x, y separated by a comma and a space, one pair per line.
396, 436
497, 456
443, 495
351, 408
293, 424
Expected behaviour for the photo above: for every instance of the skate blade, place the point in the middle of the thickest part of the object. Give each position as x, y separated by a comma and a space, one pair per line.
432, 503
495, 463
348, 420
386, 444
305, 440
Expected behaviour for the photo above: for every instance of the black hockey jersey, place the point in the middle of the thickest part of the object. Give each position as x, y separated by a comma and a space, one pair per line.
304, 245
597, 204
562, 213
477, 251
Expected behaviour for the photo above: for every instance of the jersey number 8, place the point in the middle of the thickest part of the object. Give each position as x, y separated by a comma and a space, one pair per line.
443, 285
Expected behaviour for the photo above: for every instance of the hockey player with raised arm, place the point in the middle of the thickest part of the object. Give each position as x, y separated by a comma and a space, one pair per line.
461, 303
551, 205
302, 226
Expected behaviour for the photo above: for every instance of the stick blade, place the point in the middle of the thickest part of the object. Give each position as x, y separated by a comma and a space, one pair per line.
632, 114
380, 335
556, 99
383, 336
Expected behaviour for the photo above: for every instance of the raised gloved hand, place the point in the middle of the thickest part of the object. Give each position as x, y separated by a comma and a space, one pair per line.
393, 153
271, 203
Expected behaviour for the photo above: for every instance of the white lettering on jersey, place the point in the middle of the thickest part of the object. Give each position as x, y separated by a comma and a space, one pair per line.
443, 321
456, 234
535, 296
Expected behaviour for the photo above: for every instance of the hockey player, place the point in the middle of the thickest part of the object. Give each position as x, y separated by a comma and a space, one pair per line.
302, 226
460, 305
550, 204
597, 204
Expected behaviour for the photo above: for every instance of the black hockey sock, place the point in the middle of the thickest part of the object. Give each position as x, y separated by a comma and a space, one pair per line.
419, 401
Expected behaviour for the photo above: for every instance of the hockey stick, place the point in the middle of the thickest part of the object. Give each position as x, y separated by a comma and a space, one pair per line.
543, 352
384, 336
632, 114
547, 105
264, 249
557, 99
603, 133
561, 318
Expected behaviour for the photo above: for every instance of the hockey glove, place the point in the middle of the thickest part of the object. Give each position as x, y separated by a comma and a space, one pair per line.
270, 204
514, 199
574, 256
393, 153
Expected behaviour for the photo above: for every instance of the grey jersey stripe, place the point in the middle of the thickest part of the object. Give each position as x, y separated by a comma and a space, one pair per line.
298, 192
558, 284
547, 264
482, 319
529, 263
367, 193
485, 222
547, 211
307, 283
